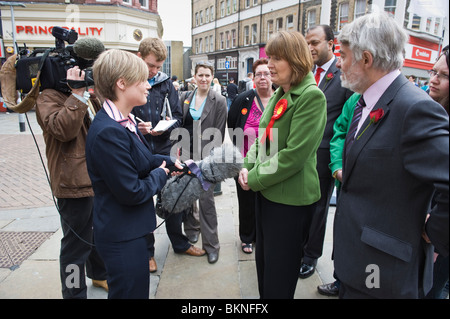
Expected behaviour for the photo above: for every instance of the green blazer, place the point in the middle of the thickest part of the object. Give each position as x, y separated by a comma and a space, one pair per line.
284, 171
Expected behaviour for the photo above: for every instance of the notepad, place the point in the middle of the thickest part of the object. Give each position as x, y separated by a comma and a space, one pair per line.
163, 125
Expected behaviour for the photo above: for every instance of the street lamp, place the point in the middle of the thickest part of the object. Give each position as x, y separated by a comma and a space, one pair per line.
16, 47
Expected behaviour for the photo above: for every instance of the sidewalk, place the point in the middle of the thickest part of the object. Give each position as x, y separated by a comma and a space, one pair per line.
30, 238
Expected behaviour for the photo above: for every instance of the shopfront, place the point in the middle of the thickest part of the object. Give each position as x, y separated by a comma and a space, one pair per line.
117, 27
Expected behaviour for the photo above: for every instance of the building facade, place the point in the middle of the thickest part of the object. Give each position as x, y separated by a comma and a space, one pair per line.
232, 34
119, 24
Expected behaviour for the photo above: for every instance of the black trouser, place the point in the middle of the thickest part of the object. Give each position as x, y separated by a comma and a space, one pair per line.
281, 232
314, 246
76, 221
247, 224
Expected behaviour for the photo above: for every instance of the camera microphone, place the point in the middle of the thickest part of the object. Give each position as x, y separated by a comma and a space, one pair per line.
88, 48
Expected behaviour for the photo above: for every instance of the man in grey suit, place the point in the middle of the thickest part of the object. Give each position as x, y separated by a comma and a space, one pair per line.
320, 40
396, 155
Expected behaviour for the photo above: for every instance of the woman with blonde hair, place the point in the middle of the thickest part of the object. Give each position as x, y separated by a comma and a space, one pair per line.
125, 174
286, 180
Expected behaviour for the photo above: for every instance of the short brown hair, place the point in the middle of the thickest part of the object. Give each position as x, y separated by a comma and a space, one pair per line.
113, 65
155, 46
292, 47
206, 65
259, 62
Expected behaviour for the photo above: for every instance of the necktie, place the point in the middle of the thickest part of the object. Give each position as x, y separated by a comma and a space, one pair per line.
318, 73
350, 138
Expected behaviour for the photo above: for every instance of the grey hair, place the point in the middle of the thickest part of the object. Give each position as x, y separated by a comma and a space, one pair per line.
379, 34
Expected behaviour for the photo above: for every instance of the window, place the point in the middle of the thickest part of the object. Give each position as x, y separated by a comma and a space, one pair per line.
255, 2
228, 7
211, 10
428, 26
246, 35
127, 2
279, 25
222, 9
144, 3
311, 18
343, 14
234, 5
201, 17
390, 5
207, 15
415, 22
211, 43
360, 8
227, 39
233, 38
200, 45
196, 46
222, 41
437, 25
289, 21
269, 29
254, 34
247, 3
196, 19
206, 44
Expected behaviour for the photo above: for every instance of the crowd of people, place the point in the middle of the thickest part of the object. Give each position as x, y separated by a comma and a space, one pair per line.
353, 122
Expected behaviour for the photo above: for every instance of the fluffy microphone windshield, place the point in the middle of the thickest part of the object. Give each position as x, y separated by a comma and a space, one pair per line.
180, 192
88, 48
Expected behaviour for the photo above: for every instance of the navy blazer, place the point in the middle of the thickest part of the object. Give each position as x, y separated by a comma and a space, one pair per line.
125, 177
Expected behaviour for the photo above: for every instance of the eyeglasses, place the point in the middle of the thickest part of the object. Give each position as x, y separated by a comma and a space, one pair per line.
440, 76
260, 75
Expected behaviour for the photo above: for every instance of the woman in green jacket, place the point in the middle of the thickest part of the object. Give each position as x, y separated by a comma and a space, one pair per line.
281, 165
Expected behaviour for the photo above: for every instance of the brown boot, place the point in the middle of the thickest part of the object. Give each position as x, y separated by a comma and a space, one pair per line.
194, 251
100, 284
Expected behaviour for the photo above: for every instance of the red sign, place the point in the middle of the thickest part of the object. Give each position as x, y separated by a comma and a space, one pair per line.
421, 54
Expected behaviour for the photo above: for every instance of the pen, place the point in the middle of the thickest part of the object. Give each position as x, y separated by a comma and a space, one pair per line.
140, 120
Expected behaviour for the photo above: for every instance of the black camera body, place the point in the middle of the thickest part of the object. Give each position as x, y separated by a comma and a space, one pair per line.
54, 65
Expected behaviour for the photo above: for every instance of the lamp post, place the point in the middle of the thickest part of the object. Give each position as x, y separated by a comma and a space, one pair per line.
16, 47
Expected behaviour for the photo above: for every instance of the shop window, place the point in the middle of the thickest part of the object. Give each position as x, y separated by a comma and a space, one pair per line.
343, 14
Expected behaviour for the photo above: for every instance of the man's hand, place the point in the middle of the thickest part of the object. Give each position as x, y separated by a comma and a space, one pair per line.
75, 74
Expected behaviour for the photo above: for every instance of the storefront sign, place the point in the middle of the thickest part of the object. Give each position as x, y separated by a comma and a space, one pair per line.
421, 54
47, 30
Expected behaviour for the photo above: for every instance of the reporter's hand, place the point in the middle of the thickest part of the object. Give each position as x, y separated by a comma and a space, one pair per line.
145, 127
179, 166
163, 166
75, 74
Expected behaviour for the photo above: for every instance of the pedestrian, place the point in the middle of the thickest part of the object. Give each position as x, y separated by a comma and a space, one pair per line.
125, 174
65, 120
286, 181
244, 115
162, 96
439, 91
204, 118
232, 91
392, 164
320, 40
216, 86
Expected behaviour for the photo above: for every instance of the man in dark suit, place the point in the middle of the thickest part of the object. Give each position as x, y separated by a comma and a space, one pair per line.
396, 155
321, 43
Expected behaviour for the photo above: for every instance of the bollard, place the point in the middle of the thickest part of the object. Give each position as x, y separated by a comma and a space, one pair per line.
22, 122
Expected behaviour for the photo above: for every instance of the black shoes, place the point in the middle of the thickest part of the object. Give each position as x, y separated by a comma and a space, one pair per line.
213, 257
306, 270
330, 289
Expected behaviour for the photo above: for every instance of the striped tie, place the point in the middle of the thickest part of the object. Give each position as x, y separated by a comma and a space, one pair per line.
354, 125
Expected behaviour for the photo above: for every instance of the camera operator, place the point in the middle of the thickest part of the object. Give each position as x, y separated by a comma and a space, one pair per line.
64, 119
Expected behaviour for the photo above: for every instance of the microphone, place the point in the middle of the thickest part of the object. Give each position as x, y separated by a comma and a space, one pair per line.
88, 48
181, 191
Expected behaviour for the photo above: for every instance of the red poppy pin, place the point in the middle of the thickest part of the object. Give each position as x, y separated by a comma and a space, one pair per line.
329, 76
375, 117
278, 111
